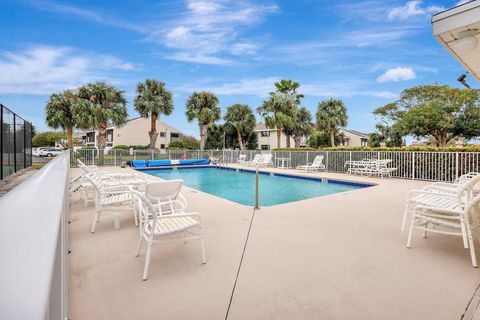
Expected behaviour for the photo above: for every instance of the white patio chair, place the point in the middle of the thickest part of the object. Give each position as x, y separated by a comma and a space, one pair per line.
441, 218
155, 227
266, 160
242, 159
111, 198
453, 195
317, 164
167, 192
257, 159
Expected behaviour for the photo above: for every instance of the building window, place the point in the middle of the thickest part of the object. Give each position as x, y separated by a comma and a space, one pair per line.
174, 136
265, 134
364, 142
109, 135
162, 146
163, 134
90, 137
265, 147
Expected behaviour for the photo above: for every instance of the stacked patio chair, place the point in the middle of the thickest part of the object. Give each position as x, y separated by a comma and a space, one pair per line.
242, 159
371, 167
158, 225
445, 208
109, 197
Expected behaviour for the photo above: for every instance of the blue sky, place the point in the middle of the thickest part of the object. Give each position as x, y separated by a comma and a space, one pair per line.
364, 52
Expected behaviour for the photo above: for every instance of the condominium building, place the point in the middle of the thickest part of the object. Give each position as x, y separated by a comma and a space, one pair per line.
134, 132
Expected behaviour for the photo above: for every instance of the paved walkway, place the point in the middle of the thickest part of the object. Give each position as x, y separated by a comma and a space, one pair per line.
340, 256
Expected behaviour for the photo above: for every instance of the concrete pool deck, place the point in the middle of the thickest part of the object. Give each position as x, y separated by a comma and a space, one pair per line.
340, 256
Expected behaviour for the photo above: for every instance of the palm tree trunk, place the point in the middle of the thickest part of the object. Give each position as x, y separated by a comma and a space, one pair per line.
70, 136
240, 141
296, 140
203, 135
101, 141
288, 141
153, 130
279, 134
332, 137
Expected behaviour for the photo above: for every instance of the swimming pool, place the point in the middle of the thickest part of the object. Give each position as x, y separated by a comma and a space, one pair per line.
239, 185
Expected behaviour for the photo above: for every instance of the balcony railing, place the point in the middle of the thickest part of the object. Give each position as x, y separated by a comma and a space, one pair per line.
416, 165
34, 245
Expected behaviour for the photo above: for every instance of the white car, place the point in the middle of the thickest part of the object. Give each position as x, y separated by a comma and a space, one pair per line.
49, 152
36, 151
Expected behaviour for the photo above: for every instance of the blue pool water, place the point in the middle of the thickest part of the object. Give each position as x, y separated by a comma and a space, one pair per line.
240, 186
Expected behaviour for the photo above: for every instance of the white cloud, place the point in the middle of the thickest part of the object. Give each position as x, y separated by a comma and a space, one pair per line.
210, 29
462, 2
412, 9
93, 15
397, 74
261, 87
47, 69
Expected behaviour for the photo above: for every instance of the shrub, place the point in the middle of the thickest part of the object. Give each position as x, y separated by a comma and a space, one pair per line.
48, 139
185, 142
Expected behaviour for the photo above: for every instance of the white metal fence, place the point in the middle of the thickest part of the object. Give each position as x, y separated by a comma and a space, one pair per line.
417, 165
34, 245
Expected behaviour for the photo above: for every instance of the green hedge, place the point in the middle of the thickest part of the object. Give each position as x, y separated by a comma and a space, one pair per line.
413, 148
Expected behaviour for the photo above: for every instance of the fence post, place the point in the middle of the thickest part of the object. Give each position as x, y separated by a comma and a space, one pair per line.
456, 165
326, 162
350, 156
114, 157
307, 159
378, 155
93, 156
413, 165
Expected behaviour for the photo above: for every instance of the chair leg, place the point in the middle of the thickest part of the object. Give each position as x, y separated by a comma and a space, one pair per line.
404, 220
96, 218
464, 233
147, 262
472, 247
135, 215
410, 232
204, 256
425, 229
138, 246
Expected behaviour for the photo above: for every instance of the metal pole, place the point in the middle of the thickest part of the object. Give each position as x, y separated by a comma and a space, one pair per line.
1, 142
256, 189
14, 142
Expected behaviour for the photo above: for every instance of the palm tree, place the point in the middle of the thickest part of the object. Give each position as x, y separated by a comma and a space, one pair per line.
203, 106
331, 114
303, 125
289, 87
59, 113
152, 100
241, 118
100, 105
279, 113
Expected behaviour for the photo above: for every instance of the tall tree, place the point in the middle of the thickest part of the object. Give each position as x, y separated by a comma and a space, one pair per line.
59, 113
203, 106
331, 114
289, 87
241, 118
153, 99
100, 105
442, 112
279, 113
303, 125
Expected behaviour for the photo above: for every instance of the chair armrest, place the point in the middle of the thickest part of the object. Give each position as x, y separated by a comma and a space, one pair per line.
429, 193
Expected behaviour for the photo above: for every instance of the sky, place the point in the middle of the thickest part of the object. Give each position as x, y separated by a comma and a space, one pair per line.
363, 52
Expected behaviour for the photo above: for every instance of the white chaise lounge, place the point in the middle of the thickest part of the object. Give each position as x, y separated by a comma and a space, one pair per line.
316, 165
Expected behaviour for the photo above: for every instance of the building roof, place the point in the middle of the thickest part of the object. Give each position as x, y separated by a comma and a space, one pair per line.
355, 132
458, 30
131, 120
262, 127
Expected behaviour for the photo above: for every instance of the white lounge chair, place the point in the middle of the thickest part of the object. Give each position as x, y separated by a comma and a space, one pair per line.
157, 227
257, 159
266, 160
317, 164
242, 159
441, 192
111, 198
449, 213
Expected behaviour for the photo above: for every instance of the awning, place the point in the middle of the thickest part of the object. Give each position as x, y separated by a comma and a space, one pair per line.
458, 30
